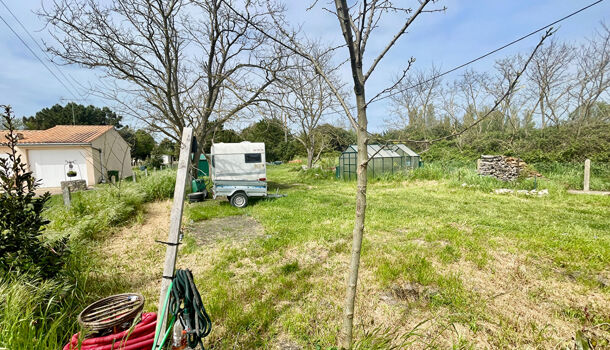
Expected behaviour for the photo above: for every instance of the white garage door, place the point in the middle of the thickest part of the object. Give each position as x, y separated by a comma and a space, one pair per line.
51, 166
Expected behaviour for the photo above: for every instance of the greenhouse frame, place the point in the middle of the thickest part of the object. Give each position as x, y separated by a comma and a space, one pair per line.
384, 159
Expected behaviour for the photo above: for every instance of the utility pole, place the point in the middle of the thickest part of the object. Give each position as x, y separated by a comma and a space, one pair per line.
72, 101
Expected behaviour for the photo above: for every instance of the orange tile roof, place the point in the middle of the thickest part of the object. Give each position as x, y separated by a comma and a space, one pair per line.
61, 134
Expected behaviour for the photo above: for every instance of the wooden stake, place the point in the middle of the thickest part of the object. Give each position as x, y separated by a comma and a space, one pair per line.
175, 221
67, 197
587, 174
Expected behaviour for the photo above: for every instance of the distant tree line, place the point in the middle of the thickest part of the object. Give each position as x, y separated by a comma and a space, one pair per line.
559, 111
141, 141
281, 144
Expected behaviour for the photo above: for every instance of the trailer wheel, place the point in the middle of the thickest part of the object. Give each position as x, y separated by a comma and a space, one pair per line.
239, 200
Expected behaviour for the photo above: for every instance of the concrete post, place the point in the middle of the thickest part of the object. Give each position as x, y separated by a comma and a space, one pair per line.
133, 177
146, 172
587, 174
113, 178
67, 196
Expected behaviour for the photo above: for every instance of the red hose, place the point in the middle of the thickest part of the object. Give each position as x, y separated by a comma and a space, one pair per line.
140, 338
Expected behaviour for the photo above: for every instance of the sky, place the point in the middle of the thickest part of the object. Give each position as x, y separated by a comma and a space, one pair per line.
465, 30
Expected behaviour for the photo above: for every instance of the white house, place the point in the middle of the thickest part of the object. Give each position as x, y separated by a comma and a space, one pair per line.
92, 150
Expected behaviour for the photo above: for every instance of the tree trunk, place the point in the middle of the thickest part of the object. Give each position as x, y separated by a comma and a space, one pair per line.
310, 153
542, 114
352, 283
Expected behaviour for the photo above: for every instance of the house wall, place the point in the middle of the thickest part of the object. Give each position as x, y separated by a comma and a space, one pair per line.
24, 155
84, 150
116, 155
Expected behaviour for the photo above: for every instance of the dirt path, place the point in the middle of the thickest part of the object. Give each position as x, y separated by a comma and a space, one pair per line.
132, 256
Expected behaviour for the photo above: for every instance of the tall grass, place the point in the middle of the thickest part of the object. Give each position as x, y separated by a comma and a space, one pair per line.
556, 177
41, 314
571, 175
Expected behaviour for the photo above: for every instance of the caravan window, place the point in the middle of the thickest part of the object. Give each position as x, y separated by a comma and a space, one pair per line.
253, 158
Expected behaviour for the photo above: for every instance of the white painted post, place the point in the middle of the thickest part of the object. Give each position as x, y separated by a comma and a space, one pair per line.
146, 172
133, 177
175, 221
66, 195
587, 174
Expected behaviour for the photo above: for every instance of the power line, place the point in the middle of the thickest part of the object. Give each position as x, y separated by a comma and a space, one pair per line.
37, 57
40, 48
487, 54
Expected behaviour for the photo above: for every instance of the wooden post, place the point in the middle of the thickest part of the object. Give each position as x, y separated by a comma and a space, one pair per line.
587, 174
67, 196
113, 179
175, 221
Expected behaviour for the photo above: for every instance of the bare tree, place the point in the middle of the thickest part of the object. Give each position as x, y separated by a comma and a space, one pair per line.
516, 101
138, 43
592, 78
306, 100
171, 63
417, 103
238, 63
357, 22
549, 75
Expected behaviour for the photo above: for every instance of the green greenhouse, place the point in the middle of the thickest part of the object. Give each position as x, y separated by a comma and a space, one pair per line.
384, 159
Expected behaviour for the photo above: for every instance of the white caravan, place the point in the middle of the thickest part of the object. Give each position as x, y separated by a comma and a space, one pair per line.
238, 171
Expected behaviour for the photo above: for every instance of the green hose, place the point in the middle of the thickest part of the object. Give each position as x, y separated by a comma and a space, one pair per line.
193, 316
183, 302
169, 290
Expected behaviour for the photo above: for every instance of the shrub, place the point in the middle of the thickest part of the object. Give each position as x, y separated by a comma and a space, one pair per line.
22, 247
159, 186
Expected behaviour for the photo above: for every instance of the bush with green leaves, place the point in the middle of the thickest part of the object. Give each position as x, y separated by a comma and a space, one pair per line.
22, 247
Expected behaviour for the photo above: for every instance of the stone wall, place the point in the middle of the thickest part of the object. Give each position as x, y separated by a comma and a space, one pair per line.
501, 167
74, 185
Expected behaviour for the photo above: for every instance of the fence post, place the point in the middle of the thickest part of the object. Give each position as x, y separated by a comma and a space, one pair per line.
587, 174
171, 251
133, 177
67, 196
146, 172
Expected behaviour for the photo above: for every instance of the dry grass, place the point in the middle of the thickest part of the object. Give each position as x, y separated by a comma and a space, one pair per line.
447, 266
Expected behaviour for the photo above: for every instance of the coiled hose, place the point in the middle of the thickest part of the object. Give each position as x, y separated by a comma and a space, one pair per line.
185, 305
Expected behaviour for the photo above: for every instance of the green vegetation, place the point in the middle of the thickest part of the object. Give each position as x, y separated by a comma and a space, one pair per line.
41, 314
442, 260
72, 114
23, 249
429, 240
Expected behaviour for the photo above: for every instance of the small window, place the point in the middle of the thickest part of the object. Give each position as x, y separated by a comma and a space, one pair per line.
253, 158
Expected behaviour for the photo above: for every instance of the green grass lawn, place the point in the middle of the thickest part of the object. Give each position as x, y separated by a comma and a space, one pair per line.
478, 269
445, 262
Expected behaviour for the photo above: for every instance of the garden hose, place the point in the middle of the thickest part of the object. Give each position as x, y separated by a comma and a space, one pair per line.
186, 305
183, 303
169, 289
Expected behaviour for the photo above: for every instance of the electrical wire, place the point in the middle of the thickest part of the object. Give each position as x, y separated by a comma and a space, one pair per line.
41, 49
37, 57
488, 53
